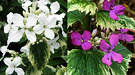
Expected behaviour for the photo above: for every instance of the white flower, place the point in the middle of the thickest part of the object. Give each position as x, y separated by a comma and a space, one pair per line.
12, 65
3, 49
26, 5
55, 6
9, 26
53, 44
45, 25
15, 36
25, 49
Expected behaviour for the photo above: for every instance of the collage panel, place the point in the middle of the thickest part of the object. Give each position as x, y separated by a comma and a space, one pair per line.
33, 39
101, 37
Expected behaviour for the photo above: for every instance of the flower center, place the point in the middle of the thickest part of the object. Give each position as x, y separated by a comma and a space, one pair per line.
82, 41
13, 66
109, 50
111, 8
25, 28
44, 26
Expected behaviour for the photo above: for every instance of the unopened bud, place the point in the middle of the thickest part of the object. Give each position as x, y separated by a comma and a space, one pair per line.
96, 38
37, 42
107, 31
40, 40
98, 41
94, 32
11, 51
38, 11
32, 10
25, 14
102, 34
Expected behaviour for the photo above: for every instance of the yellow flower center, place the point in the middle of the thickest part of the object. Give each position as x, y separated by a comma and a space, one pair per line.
111, 8
82, 41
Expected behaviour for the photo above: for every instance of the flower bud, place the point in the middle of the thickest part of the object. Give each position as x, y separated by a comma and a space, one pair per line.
38, 11
11, 51
96, 38
98, 41
102, 34
94, 32
25, 14
107, 31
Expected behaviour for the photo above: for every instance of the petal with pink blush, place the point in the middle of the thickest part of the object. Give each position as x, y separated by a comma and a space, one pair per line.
119, 9
129, 38
75, 35
86, 45
86, 35
113, 15
76, 41
114, 39
116, 57
107, 59
104, 46
106, 5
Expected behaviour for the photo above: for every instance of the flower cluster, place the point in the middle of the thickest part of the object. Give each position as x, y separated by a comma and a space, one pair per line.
85, 40
38, 19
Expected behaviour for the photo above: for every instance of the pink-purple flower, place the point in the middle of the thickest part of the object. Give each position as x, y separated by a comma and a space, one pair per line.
78, 39
109, 6
109, 49
125, 37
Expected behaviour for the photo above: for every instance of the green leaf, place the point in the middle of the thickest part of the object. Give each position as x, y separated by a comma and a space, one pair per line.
39, 54
127, 22
49, 70
90, 63
82, 63
82, 5
74, 16
103, 19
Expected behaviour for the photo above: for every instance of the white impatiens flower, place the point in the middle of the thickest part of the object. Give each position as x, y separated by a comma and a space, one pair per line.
9, 26
12, 65
25, 49
15, 36
45, 24
53, 44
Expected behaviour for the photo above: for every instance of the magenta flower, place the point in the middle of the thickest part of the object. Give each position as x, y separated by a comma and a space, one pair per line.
125, 37
78, 39
109, 6
110, 54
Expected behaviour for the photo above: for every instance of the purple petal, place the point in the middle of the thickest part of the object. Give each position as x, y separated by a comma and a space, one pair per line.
104, 46
116, 56
119, 9
113, 15
129, 38
106, 5
123, 30
76, 41
114, 39
112, 2
75, 35
86, 45
121, 36
86, 35
107, 59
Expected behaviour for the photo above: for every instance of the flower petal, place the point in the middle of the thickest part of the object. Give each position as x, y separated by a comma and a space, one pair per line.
121, 36
6, 28
16, 61
43, 8
106, 5
128, 37
107, 59
31, 36
19, 71
49, 33
26, 5
114, 39
116, 56
8, 61
51, 22
42, 19
25, 49
86, 45
104, 46
76, 41
55, 6
112, 2
56, 45
52, 48
75, 35
18, 20
119, 9
38, 29
123, 30
3, 49
86, 35
9, 70
113, 15
9, 18
31, 21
